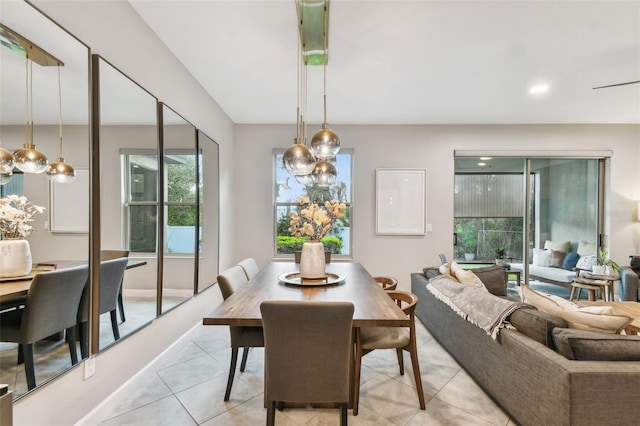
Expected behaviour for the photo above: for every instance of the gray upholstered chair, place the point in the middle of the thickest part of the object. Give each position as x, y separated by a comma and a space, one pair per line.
307, 353
398, 338
114, 254
241, 337
111, 273
51, 306
250, 267
387, 283
628, 285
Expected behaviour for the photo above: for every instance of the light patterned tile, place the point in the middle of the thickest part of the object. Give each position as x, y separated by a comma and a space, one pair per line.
390, 399
439, 413
190, 373
165, 412
150, 389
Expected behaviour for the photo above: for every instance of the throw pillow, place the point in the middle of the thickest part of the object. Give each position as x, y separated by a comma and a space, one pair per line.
583, 345
570, 260
430, 272
587, 249
465, 276
536, 324
564, 246
556, 258
494, 279
586, 262
541, 257
595, 318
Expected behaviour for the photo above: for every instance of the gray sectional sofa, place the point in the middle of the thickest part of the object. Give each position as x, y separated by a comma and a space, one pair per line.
628, 285
524, 375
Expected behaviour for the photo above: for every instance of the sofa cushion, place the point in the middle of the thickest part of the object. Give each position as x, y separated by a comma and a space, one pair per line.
556, 258
595, 318
586, 262
584, 345
465, 276
431, 271
587, 249
570, 260
563, 246
541, 257
537, 325
493, 278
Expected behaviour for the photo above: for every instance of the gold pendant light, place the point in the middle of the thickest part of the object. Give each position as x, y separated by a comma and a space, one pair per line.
324, 174
6, 161
29, 159
60, 172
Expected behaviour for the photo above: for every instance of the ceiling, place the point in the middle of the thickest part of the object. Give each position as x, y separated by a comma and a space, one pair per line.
413, 62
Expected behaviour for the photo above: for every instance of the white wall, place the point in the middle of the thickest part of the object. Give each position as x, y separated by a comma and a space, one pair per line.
432, 148
113, 30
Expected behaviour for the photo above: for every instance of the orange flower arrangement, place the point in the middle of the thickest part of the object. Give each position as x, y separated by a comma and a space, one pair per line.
314, 221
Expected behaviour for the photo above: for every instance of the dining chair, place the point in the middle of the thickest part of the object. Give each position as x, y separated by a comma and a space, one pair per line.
398, 338
241, 337
51, 307
250, 267
307, 353
387, 283
111, 273
114, 254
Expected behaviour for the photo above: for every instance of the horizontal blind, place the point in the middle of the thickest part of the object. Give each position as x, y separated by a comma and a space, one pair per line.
485, 195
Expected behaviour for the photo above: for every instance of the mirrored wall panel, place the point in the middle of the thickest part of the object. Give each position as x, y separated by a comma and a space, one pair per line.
209, 211
180, 186
43, 81
129, 194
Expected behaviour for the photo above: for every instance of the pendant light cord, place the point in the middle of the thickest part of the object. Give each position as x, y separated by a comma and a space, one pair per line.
60, 112
326, 59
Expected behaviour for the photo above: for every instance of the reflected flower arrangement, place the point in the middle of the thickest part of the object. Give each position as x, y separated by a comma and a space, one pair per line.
16, 214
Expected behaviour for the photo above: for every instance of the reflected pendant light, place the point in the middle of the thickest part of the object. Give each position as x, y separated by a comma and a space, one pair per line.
5, 177
29, 159
60, 172
6, 161
325, 143
324, 174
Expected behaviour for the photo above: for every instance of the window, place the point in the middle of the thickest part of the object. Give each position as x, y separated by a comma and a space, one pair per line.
141, 201
287, 191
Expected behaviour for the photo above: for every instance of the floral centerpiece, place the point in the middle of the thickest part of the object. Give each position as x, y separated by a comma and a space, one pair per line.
314, 221
16, 214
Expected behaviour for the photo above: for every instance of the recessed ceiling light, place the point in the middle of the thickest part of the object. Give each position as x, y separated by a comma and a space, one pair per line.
541, 88
482, 164
485, 158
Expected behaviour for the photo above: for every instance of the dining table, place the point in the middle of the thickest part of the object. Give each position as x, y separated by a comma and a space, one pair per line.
350, 283
17, 287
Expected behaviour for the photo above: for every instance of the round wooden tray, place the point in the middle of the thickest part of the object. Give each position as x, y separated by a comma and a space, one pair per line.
295, 279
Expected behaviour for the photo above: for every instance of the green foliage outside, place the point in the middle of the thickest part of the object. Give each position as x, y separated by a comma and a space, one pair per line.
289, 245
181, 188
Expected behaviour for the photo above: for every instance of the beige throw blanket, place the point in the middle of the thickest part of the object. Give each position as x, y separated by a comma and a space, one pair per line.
474, 304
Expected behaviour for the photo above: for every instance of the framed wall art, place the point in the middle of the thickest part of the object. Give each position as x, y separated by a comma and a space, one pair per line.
401, 201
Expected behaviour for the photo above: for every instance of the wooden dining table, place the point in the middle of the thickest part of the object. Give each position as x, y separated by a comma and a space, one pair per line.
18, 287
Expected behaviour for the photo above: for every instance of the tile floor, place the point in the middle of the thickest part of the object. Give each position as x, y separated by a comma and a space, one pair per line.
185, 386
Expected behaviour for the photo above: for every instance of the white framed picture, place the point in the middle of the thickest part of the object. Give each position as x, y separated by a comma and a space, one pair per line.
69, 205
401, 201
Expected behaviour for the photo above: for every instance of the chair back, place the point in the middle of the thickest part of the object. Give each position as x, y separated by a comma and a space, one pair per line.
231, 279
52, 302
387, 283
307, 349
407, 302
113, 254
250, 267
111, 274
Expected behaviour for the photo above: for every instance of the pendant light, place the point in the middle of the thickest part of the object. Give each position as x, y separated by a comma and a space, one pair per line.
6, 161
324, 174
325, 142
29, 159
60, 172
5, 177
298, 160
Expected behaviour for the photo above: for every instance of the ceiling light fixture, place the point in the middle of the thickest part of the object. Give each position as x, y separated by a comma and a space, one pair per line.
60, 172
29, 159
541, 88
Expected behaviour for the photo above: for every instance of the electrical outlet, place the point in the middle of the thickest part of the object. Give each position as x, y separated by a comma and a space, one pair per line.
46, 225
89, 367
429, 228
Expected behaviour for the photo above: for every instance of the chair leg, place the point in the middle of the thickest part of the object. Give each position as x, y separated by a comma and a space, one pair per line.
400, 360
357, 372
271, 413
114, 325
232, 372
29, 369
20, 354
416, 373
84, 340
343, 414
71, 341
245, 355
121, 305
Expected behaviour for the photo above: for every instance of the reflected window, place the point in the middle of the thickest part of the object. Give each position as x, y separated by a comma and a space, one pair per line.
287, 193
140, 207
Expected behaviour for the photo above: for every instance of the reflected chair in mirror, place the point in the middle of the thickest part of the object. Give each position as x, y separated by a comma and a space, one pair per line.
114, 254
308, 350
387, 283
111, 273
250, 267
398, 338
241, 337
51, 306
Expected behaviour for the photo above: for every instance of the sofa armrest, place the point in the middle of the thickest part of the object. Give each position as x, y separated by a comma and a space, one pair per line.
628, 285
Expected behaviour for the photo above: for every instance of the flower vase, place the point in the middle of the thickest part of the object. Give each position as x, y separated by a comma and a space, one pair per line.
312, 260
15, 258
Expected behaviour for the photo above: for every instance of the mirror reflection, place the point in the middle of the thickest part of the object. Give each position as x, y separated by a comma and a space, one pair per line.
180, 202
128, 204
208, 211
56, 242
